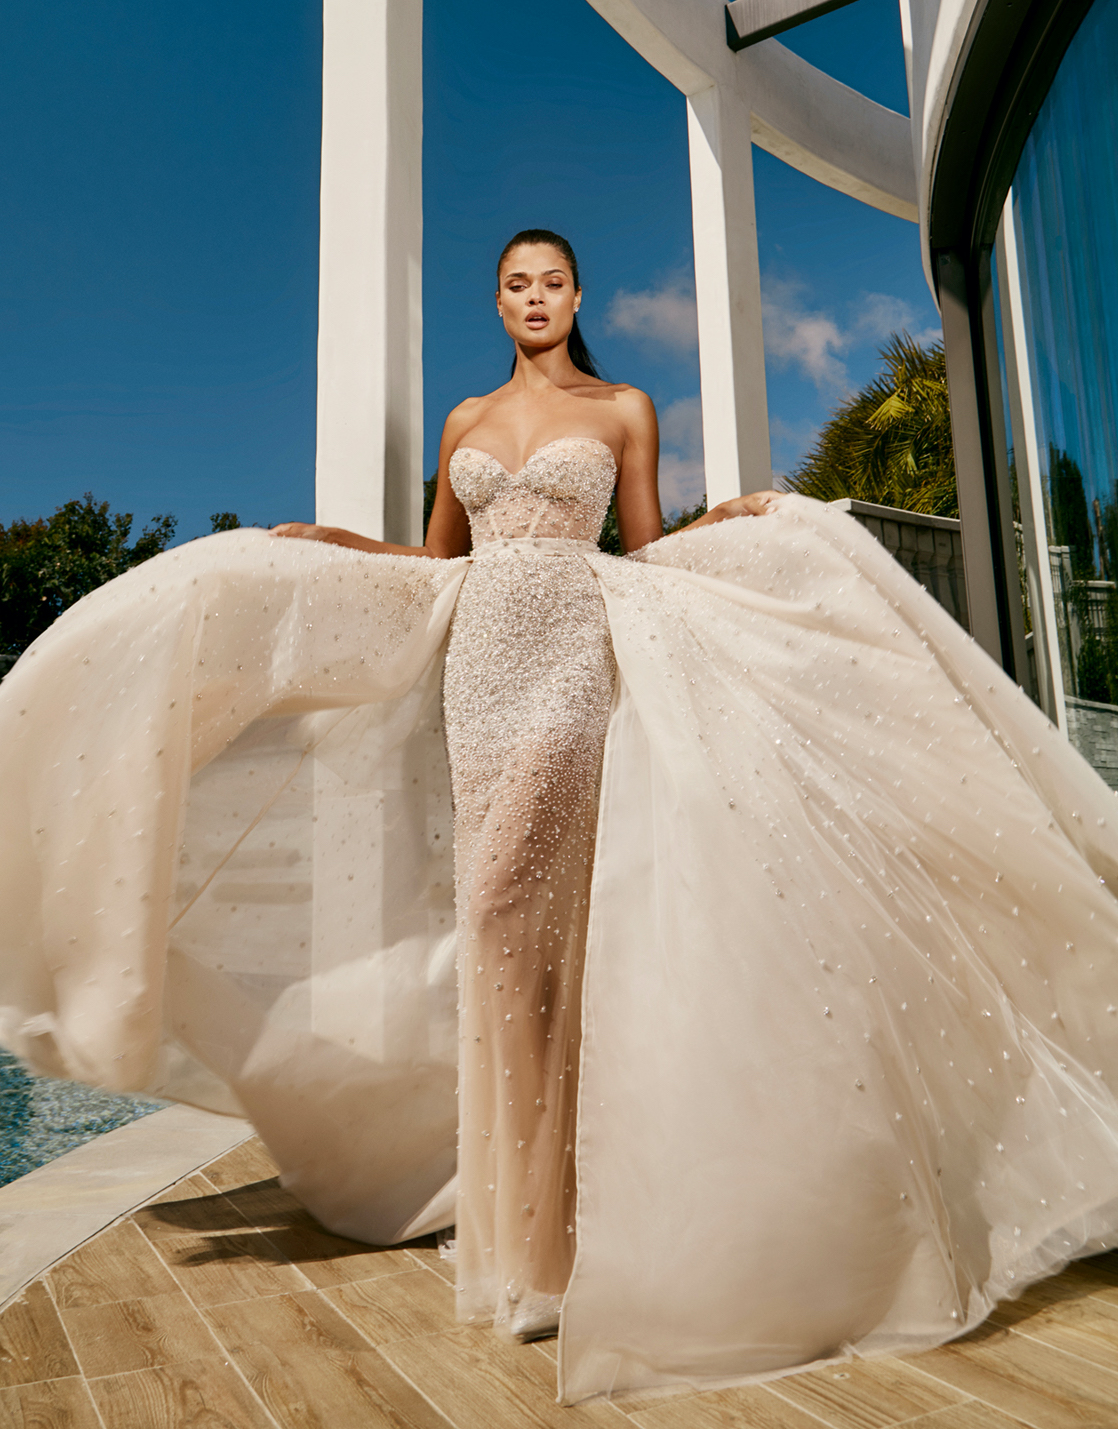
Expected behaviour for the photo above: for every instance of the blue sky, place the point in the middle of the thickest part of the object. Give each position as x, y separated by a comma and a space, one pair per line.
158, 256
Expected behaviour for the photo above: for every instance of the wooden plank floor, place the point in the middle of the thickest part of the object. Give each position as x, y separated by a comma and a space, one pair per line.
222, 1303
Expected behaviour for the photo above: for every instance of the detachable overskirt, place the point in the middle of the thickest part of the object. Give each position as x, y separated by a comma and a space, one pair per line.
848, 1038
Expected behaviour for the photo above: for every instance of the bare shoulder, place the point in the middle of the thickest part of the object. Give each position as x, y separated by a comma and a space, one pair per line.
462, 418
631, 398
636, 409
466, 412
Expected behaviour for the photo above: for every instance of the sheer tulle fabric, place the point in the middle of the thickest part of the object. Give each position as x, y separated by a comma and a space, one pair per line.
866, 1087
529, 682
848, 1040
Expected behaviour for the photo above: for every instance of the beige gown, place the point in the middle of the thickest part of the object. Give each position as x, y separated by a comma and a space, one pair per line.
837, 894
527, 693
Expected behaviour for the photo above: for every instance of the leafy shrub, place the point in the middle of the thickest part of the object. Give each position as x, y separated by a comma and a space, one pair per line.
47, 565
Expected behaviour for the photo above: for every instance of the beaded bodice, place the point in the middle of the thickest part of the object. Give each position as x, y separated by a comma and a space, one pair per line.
563, 490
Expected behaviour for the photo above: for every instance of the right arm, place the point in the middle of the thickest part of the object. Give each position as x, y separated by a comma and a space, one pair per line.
448, 531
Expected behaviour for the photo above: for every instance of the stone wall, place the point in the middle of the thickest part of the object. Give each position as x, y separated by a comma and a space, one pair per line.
1093, 729
929, 547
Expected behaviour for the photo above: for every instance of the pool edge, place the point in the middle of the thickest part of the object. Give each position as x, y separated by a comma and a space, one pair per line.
57, 1207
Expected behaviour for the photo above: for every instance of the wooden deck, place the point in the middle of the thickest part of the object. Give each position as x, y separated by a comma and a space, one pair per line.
222, 1303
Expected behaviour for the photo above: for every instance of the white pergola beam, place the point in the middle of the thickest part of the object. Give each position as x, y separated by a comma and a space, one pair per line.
689, 49
769, 96
748, 21
829, 131
369, 465
685, 42
799, 113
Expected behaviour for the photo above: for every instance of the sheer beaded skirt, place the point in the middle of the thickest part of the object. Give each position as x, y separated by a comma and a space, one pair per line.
527, 691
529, 678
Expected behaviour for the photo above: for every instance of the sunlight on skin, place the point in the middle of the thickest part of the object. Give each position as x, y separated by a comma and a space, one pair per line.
546, 398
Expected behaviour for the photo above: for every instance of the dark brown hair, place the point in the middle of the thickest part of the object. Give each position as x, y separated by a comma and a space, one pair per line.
577, 350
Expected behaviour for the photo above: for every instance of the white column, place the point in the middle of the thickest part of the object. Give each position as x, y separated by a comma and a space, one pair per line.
1026, 452
369, 465
797, 112
728, 294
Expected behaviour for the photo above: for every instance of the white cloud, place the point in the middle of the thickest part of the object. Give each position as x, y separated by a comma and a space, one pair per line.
816, 342
878, 315
663, 317
682, 482
682, 473
681, 426
798, 337
928, 336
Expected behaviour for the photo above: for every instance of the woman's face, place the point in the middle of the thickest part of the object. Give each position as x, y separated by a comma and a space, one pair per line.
537, 298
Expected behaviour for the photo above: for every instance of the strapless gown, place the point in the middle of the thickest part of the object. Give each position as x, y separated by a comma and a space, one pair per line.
763, 925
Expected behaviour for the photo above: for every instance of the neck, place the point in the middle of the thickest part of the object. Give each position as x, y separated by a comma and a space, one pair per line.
546, 367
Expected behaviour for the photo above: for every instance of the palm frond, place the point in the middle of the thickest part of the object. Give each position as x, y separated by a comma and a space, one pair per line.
891, 442
892, 410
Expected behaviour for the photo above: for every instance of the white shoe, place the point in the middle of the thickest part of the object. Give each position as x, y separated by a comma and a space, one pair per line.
537, 1320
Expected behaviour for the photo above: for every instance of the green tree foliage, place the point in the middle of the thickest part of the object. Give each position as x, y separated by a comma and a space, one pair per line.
1071, 525
676, 520
1095, 669
891, 442
610, 539
46, 565
225, 521
1106, 526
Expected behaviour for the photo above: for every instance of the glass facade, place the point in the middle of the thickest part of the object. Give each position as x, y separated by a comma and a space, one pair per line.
1056, 285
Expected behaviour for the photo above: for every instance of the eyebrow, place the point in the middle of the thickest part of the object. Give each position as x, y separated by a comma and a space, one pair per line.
546, 274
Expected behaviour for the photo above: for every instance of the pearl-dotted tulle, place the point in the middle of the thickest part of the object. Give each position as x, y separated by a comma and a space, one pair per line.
529, 681
849, 1034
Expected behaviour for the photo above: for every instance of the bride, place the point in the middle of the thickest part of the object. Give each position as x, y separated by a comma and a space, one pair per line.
527, 693
780, 928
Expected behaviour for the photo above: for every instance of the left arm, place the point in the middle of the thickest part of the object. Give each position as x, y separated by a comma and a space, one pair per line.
448, 531
638, 502
757, 503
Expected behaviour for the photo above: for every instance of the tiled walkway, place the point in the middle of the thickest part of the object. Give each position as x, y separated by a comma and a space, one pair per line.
223, 1304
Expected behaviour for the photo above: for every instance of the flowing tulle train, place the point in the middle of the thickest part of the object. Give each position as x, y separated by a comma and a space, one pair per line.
848, 1040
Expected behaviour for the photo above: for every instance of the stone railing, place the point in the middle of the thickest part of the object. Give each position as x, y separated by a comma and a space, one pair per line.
929, 547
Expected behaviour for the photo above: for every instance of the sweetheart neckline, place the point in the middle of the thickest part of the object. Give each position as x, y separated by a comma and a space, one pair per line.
532, 455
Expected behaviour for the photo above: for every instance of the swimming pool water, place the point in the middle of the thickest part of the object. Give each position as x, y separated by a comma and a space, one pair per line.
40, 1118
